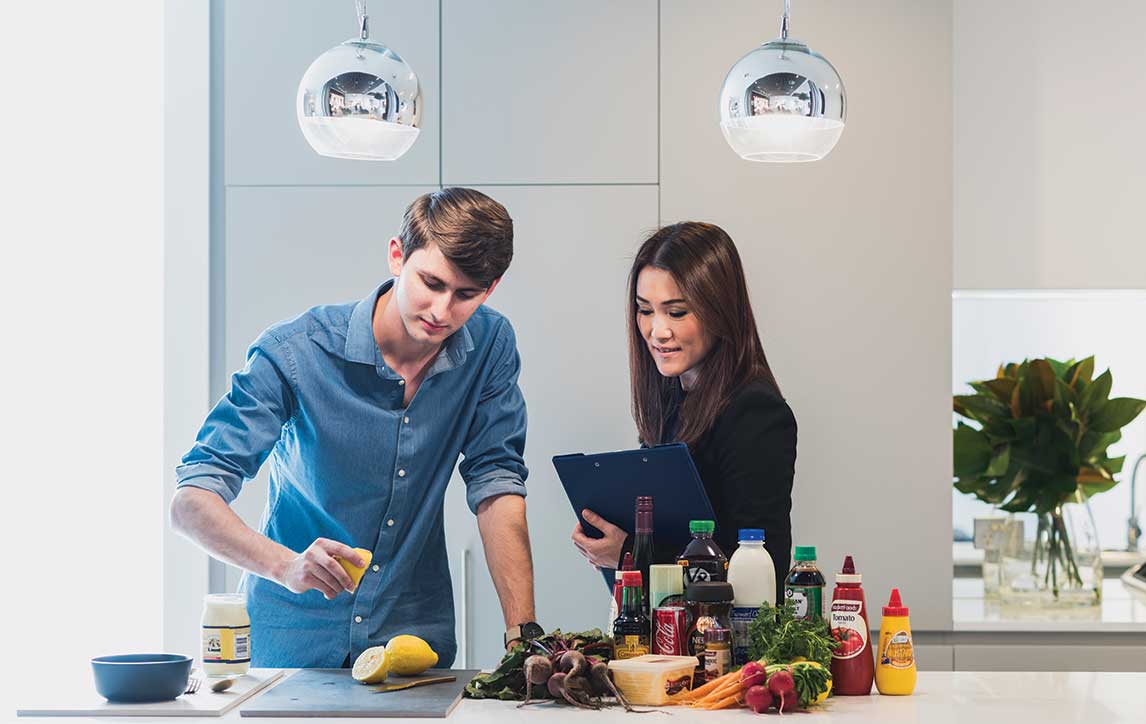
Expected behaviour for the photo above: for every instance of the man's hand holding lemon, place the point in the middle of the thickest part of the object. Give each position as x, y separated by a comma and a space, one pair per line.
326, 566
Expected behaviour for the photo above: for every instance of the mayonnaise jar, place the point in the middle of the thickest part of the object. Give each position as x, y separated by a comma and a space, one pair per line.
226, 635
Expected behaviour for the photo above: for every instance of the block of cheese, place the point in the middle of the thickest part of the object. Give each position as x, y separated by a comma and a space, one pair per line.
651, 679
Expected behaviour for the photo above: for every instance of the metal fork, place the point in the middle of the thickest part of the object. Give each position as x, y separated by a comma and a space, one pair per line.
193, 683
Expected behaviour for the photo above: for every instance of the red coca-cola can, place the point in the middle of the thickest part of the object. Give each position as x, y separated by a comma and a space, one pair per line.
670, 627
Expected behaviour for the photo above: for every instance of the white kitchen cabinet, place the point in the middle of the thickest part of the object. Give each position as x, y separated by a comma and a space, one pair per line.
267, 45
565, 296
288, 249
549, 91
1051, 657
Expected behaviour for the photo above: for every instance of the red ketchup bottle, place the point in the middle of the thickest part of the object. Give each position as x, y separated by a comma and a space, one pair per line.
853, 668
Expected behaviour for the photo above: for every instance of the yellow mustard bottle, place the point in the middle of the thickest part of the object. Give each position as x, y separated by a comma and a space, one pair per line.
895, 660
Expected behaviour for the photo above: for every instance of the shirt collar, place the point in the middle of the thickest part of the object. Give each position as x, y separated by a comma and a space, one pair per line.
361, 347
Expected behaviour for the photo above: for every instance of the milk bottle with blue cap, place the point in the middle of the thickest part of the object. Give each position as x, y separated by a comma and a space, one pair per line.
753, 578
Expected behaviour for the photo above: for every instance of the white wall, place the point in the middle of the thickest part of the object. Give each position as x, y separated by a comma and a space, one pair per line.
81, 369
849, 265
1050, 158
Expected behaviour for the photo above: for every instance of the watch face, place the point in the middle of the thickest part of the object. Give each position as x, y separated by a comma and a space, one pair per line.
531, 631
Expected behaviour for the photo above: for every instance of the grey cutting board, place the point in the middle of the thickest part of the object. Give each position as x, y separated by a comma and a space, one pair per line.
333, 693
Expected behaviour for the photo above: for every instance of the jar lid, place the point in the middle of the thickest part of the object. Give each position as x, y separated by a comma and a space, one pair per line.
717, 635
710, 592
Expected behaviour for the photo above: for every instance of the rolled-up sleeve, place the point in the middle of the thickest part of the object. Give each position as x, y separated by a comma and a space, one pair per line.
244, 425
494, 449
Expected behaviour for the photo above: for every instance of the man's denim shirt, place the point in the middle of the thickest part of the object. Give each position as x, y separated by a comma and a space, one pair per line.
348, 462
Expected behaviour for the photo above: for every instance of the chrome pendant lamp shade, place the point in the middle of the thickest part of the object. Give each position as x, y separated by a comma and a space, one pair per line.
782, 102
360, 100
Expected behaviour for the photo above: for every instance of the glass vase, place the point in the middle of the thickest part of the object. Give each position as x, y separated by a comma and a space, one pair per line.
1052, 559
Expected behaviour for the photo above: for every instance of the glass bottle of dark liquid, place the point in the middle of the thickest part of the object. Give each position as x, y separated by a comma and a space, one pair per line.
702, 559
643, 541
805, 585
631, 631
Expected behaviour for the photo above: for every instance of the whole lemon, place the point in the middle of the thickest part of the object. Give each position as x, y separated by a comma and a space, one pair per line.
371, 666
409, 655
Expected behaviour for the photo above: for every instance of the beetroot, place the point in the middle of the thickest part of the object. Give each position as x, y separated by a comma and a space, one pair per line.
759, 698
753, 674
783, 688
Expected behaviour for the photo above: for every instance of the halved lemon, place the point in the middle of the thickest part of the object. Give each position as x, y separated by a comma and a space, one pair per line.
354, 571
371, 666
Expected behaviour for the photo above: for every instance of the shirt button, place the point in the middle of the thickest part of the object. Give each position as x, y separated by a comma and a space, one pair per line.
401, 382
401, 473
375, 568
357, 619
406, 420
390, 522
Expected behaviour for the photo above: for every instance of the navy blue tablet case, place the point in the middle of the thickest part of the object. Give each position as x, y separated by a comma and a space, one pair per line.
608, 484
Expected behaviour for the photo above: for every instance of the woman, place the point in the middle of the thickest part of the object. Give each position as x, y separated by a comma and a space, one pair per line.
699, 376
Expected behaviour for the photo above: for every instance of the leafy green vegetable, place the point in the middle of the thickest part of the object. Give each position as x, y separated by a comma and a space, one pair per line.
777, 636
507, 681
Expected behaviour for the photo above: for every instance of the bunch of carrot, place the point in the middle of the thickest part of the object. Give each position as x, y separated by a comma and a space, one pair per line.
723, 692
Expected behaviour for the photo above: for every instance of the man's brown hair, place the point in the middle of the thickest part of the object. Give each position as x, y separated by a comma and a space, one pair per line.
472, 231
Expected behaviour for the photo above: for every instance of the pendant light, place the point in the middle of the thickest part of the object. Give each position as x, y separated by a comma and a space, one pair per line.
360, 100
782, 102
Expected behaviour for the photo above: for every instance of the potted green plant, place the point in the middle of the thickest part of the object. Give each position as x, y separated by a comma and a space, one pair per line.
1037, 444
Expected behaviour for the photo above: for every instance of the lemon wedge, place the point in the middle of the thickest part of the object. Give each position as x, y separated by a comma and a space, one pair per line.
371, 666
354, 571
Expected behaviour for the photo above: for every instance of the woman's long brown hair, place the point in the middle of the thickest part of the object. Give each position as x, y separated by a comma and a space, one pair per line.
706, 267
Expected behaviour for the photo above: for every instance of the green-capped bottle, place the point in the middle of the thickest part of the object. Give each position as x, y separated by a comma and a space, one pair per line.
702, 559
805, 585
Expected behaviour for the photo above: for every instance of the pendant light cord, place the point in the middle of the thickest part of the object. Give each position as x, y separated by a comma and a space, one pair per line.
784, 22
364, 19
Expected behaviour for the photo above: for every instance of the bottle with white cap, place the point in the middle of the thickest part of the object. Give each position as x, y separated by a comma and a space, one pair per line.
753, 578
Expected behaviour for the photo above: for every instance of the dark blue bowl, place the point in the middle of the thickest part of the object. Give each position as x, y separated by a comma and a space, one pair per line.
133, 678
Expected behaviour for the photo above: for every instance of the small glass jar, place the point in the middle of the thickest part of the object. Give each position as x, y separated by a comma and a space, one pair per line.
717, 652
226, 628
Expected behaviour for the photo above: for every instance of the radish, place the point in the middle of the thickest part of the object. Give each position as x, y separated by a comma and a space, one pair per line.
537, 671
759, 698
753, 674
783, 687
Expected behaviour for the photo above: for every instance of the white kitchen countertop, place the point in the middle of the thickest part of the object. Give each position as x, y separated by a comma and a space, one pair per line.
1122, 610
940, 698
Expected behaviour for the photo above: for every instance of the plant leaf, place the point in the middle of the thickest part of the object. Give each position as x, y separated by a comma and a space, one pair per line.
1094, 396
1116, 413
972, 451
1000, 461
1083, 371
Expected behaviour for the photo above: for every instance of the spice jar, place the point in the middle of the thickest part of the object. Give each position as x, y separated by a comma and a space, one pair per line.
717, 652
709, 606
226, 635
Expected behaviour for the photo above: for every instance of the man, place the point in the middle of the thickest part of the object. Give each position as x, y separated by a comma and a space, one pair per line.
363, 410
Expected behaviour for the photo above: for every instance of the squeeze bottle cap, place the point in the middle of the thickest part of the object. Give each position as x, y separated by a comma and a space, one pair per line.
894, 605
751, 534
848, 573
627, 563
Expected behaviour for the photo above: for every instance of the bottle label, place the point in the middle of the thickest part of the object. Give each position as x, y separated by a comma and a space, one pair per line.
897, 651
849, 628
703, 571
226, 644
741, 617
717, 661
631, 645
808, 599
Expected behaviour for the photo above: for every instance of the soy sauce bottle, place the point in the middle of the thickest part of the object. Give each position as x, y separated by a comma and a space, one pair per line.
805, 585
631, 631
